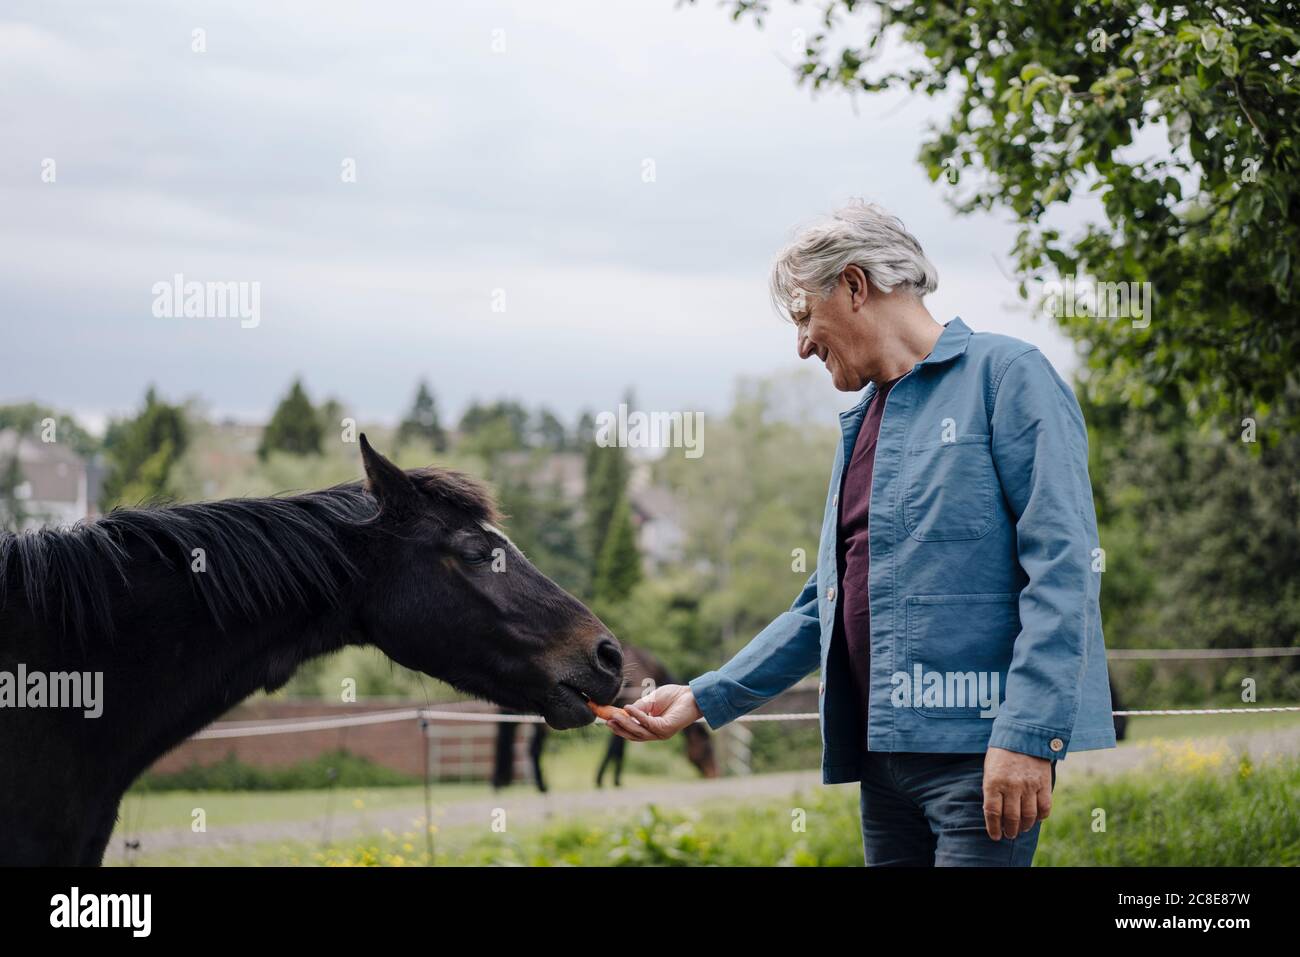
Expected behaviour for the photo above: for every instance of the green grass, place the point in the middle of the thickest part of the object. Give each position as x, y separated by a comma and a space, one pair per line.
341, 768
1201, 809
568, 767
1207, 725
1137, 831
716, 832
143, 812
1196, 808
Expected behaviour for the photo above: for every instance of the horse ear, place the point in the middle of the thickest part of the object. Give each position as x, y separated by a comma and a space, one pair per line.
389, 484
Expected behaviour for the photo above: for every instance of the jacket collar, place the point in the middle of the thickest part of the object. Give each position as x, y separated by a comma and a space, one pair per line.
951, 344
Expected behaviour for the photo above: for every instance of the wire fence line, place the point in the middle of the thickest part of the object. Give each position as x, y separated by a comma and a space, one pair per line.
248, 729
1191, 654
222, 729
251, 729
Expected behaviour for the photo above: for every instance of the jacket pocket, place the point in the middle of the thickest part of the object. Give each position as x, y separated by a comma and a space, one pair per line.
948, 490
958, 653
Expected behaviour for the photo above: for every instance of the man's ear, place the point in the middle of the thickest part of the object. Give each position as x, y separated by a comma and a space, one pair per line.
389, 484
859, 284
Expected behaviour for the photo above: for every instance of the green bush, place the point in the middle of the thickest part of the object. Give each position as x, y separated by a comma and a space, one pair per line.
337, 768
754, 835
1199, 810
785, 746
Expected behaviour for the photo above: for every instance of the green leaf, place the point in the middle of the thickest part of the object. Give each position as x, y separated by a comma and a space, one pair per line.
1230, 63
1281, 268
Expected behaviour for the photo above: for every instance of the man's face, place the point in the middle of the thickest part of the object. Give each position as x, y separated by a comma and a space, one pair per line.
837, 330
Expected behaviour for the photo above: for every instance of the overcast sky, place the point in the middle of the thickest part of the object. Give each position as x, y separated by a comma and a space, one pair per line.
476, 170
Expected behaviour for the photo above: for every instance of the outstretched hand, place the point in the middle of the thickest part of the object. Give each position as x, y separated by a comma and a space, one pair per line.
656, 716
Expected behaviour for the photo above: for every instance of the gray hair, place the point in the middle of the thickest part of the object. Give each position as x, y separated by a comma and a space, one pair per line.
860, 234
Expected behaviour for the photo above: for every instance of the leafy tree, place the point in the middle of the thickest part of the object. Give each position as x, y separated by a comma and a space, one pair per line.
141, 453
331, 413
27, 419
295, 427
618, 567
752, 510
422, 423
1201, 534
1052, 98
490, 440
663, 615
585, 429
506, 417
544, 525
607, 472
12, 511
548, 432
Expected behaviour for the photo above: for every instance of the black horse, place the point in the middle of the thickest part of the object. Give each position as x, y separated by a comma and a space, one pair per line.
1121, 721
183, 611
640, 667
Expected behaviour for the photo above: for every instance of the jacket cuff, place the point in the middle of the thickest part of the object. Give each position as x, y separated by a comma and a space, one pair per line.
711, 700
1031, 739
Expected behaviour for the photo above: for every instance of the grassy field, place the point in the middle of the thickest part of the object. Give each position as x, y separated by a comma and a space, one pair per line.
1208, 725
1201, 805
1200, 808
571, 767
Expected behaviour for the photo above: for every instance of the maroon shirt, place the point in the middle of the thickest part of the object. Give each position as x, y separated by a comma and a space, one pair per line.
853, 611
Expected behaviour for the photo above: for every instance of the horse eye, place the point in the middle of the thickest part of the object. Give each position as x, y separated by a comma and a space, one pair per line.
476, 558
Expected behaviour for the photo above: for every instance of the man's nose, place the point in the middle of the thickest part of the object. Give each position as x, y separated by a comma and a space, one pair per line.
805, 344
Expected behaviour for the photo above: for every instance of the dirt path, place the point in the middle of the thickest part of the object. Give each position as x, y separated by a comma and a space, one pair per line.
528, 807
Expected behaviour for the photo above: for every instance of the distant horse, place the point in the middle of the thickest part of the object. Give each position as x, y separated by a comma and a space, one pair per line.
639, 665
186, 610
699, 747
1121, 721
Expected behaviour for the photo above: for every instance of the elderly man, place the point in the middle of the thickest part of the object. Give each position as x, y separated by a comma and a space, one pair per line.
954, 610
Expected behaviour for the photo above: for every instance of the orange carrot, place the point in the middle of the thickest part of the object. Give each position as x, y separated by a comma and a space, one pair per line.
604, 711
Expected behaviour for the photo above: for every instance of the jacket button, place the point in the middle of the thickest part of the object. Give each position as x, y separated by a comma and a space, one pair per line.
1056, 744
830, 594
836, 499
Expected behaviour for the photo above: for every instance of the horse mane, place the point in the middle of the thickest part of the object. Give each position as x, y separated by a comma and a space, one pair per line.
263, 555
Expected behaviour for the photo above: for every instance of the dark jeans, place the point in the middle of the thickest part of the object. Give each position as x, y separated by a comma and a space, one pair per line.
927, 810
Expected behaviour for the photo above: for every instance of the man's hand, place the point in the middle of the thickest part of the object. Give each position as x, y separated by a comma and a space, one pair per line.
1017, 792
658, 715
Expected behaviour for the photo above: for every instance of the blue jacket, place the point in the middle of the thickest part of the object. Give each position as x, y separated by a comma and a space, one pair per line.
984, 578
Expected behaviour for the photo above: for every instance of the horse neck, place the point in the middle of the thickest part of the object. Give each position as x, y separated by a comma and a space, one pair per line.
169, 669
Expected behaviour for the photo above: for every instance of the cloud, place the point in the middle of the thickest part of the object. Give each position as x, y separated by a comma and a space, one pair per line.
521, 170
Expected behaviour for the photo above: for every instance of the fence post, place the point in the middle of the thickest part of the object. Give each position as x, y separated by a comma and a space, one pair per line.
735, 741
426, 732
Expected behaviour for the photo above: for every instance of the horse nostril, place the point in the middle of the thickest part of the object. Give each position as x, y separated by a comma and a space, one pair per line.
609, 655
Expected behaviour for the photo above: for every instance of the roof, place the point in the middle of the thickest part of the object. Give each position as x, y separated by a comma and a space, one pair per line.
53, 471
